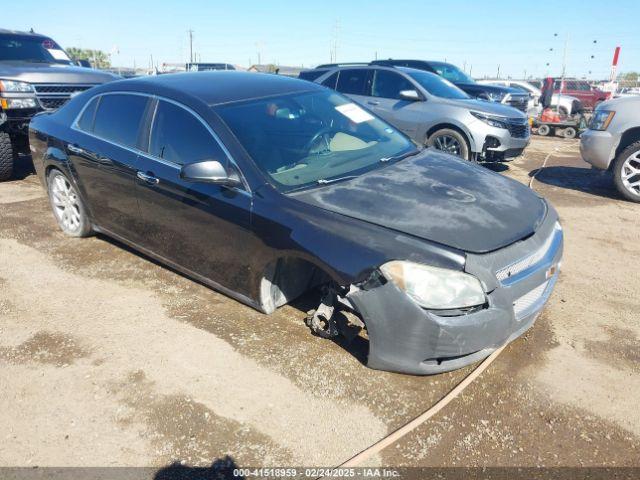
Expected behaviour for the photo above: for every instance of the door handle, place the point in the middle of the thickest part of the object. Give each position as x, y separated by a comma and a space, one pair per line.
75, 149
148, 179
371, 102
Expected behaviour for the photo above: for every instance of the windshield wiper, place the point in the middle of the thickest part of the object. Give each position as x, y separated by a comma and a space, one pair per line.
401, 156
322, 181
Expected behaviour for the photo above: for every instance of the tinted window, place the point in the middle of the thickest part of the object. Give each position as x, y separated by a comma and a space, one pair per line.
353, 81
118, 118
31, 48
311, 75
86, 120
330, 81
451, 73
388, 84
436, 85
179, 137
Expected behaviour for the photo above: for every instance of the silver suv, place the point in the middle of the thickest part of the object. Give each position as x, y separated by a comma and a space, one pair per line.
612, 142
433, 111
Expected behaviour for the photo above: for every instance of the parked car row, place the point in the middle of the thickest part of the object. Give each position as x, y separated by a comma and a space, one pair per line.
565, 104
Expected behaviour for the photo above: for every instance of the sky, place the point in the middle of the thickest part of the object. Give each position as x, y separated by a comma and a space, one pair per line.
486, 38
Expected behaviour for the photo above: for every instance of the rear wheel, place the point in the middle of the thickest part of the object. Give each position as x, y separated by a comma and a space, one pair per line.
544, 130
626, 172
569, 132
67, 205
449, 141
8, 156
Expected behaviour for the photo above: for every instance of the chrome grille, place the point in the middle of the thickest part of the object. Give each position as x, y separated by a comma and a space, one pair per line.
54, 95
519, 131
523, 305
505, 273
52, 103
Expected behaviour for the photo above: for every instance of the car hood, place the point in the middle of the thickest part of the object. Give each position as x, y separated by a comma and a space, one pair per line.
52, 73
439, 198
477, 88
486, 106
630, 102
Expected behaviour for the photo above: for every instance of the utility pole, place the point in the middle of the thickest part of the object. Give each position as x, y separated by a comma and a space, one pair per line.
334, 43
498, 75
190, 32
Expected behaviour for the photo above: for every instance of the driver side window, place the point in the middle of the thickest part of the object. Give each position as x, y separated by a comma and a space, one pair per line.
388, 84
179, 137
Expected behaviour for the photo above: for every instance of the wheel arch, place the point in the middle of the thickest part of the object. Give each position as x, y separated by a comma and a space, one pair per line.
630, 136
454, 126
288, 277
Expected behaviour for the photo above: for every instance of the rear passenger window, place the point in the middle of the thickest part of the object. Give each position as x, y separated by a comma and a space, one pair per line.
86, 120
179, 137
118, 118
330, 81
353, 81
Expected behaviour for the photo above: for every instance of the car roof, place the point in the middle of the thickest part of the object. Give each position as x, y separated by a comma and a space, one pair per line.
4, 31
216, 87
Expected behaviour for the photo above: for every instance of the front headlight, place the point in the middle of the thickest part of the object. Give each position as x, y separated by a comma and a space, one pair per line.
433, 287
494, 121
11, 86
8, 103
601, 120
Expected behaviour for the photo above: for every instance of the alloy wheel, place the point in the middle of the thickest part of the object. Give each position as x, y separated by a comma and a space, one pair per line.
630, 173
66, 204
448, 144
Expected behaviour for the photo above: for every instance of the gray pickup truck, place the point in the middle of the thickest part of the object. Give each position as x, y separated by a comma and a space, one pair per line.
36, 75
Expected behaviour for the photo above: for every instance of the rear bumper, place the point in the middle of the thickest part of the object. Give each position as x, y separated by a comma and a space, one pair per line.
598, 148
406, 338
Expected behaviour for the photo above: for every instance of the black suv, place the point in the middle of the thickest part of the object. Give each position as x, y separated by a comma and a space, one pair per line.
36, 75
505, 95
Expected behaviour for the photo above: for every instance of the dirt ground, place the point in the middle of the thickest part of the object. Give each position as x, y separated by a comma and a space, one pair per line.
109, 359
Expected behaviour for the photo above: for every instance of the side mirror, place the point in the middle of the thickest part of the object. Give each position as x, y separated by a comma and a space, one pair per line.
410, 95
209, 171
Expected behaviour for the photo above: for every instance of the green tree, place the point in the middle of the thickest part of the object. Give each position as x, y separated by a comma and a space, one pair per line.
97, 58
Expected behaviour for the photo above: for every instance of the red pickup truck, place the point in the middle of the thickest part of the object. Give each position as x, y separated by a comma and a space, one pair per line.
589, 96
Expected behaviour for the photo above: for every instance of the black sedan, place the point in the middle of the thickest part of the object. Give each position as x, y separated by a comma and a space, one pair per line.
266, 187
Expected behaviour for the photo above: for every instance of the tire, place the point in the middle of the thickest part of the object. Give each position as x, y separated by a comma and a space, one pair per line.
625, 164
68, 208
569, 132
544, 130
450, 141
8, 156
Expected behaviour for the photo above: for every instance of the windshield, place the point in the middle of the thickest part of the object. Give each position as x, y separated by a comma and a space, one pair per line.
451, 73
31, 49
312, 138
437, 86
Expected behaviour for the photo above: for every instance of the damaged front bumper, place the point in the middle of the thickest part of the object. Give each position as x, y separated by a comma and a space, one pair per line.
519, 279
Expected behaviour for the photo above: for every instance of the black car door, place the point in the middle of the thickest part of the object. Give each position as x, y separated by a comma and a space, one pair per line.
104, 156
201, 227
